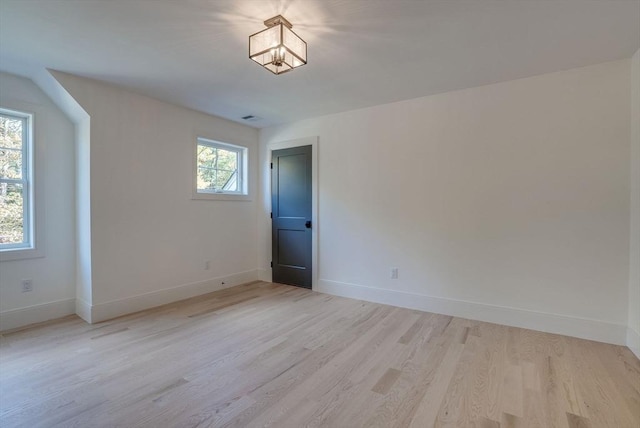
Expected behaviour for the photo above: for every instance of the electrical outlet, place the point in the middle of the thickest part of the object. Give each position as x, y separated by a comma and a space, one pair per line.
207, 265
27, 285
394, 273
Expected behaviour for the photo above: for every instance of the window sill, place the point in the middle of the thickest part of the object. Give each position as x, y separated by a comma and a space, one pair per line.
20, 254
220, 197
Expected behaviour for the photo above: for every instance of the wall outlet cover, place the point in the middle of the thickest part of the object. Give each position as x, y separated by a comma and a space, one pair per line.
27, 285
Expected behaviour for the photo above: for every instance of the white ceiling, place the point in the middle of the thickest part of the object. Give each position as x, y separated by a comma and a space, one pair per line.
361, 52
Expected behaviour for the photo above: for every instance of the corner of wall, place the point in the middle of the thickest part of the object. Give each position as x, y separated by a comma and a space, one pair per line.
53, 84
633, 341
83, 310
633, 321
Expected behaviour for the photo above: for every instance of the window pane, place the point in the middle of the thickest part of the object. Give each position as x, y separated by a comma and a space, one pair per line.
10, 163
207, 156
10, 147
10, 132
233, 184
218, 169
227, 159
223, 180
11, 214
206, 178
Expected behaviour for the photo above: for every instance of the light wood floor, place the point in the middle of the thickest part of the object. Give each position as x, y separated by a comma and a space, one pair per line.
273, 355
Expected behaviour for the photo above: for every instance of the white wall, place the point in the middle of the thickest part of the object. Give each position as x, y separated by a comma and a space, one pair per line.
149, 239
81, 120
53, 275
507, 203
633, 333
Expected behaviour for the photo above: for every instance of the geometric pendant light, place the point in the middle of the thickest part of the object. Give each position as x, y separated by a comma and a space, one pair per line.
277, 48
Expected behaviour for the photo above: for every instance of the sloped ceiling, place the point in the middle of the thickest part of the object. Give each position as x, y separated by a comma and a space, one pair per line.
361, 52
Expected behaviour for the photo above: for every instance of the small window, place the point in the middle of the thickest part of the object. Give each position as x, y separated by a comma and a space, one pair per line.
220, 168
16, 208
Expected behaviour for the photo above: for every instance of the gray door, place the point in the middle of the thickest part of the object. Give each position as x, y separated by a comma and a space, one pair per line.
291, 216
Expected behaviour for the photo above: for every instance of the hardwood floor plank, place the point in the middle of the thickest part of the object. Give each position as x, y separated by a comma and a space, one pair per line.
576, 421
513, 391
264, 354
386, 381
427, 411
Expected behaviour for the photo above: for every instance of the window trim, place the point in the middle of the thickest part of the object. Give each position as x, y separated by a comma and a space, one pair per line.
34, 202
243, 171
26, 181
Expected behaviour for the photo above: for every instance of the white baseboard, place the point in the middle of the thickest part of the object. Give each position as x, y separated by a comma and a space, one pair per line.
20, 317
108, 310
633, 341
83, 310
264, 275
583, 328
560, 324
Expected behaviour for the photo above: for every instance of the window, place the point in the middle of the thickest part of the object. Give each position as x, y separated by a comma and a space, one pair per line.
16, 180
220, 168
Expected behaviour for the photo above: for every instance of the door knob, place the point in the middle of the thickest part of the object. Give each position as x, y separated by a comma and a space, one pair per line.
308, 224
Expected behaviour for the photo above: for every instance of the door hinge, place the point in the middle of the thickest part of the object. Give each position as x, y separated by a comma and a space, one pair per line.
271, 264
271, 165
271, 215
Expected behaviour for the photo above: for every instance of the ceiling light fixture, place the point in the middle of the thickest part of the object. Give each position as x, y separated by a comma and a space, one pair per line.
277, 48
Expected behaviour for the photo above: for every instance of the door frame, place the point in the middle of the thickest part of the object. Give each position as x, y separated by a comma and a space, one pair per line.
298, 142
